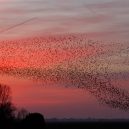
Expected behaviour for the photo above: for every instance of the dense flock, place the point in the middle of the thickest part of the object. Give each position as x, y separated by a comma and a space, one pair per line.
73, 60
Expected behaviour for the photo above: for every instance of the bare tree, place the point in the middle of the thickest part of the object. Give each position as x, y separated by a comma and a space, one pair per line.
6, 107
5, 94
22, 113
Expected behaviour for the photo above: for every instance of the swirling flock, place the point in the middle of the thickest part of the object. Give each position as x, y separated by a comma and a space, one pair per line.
73, 60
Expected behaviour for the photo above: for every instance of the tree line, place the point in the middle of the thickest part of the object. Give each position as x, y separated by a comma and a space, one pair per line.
13, 118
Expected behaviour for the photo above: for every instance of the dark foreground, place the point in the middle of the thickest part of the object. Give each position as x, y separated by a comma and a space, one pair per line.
73, 125
87, 125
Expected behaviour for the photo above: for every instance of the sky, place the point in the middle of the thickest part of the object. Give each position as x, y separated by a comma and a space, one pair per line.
99, 19
66, 58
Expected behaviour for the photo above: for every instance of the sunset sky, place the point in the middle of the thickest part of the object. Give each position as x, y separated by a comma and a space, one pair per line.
101, 19
55, 53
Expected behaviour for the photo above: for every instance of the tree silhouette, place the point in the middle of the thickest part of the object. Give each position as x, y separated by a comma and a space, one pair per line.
5, 96
6, 107
34, 121
22, 113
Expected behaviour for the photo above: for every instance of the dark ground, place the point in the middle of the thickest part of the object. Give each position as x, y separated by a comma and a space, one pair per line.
74, 125
87, 125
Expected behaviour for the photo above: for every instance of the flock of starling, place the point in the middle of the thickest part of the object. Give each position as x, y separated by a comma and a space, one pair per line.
73, 60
